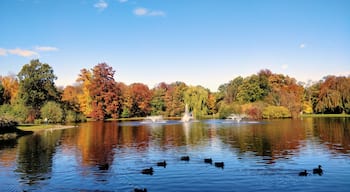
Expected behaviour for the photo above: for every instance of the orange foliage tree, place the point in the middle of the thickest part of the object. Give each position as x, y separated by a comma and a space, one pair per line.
103, 91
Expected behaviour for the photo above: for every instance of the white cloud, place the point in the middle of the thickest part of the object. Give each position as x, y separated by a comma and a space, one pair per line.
145, 12
46, 48
101, 5
3, 52
302, 46
22, 52
284, 66
156, 13
140, 11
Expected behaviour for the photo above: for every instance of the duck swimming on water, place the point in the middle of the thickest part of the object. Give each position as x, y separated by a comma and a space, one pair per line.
303, 173
147, 171
140, 190
208, 160
318, 170
219, 164
161, 164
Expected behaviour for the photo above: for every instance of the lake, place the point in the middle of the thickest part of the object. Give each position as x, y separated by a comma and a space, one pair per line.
109, 156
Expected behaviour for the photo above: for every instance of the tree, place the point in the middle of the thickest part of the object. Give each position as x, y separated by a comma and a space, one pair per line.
232, 89
84, 97
10, 86
52, 112
197, 100
103, 92
250, 90
334, 95
36, 85
140, 100
158, 106
174, 99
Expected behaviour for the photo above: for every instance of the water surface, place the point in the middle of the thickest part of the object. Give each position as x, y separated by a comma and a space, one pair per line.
109, 156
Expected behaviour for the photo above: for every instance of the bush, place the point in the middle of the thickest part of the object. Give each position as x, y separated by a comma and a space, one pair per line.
254, 110
275, 112
72, 116
227, 109
52, 112
17, 112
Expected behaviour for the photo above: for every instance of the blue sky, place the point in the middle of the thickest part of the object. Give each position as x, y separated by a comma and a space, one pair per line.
199, 42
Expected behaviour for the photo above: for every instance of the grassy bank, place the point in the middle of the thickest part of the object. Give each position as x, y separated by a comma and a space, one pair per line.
40, 127
325, 115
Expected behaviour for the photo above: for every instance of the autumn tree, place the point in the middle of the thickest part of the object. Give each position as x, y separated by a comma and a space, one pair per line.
212, 107
285, 92
140, 99
84, 97
103, 92
334, 95
174, 99
10, 88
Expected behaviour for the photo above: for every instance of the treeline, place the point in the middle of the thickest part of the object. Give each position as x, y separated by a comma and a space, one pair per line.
33, 96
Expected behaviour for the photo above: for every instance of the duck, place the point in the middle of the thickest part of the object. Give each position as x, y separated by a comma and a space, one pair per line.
140, 190
147, 171
104, 166
208, 160
318, 170
185, 158
303, 173
219, 164
161, 163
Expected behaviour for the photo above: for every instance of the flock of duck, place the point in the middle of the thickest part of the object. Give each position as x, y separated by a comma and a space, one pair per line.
317, 170
149, 171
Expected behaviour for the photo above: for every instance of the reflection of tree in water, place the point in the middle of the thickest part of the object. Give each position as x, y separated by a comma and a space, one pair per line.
180, 134
35, 152
334, 132
96, 141
276, 139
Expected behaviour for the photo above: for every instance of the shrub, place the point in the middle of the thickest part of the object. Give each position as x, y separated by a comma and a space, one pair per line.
227, 109
52, 112
275, 112
17, 112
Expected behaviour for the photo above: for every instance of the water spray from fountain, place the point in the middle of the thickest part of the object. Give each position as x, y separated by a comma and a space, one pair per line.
154, 119
187, 115
236, 117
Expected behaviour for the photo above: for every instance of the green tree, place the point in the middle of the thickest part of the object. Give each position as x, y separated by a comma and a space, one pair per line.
250, 90
52, 112
197, 99
158, 106
36, 85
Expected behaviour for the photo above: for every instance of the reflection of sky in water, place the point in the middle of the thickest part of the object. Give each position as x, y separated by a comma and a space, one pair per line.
258, 156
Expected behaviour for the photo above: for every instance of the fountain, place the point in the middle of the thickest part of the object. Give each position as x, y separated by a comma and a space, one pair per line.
236, 117
154, 119
187, 115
